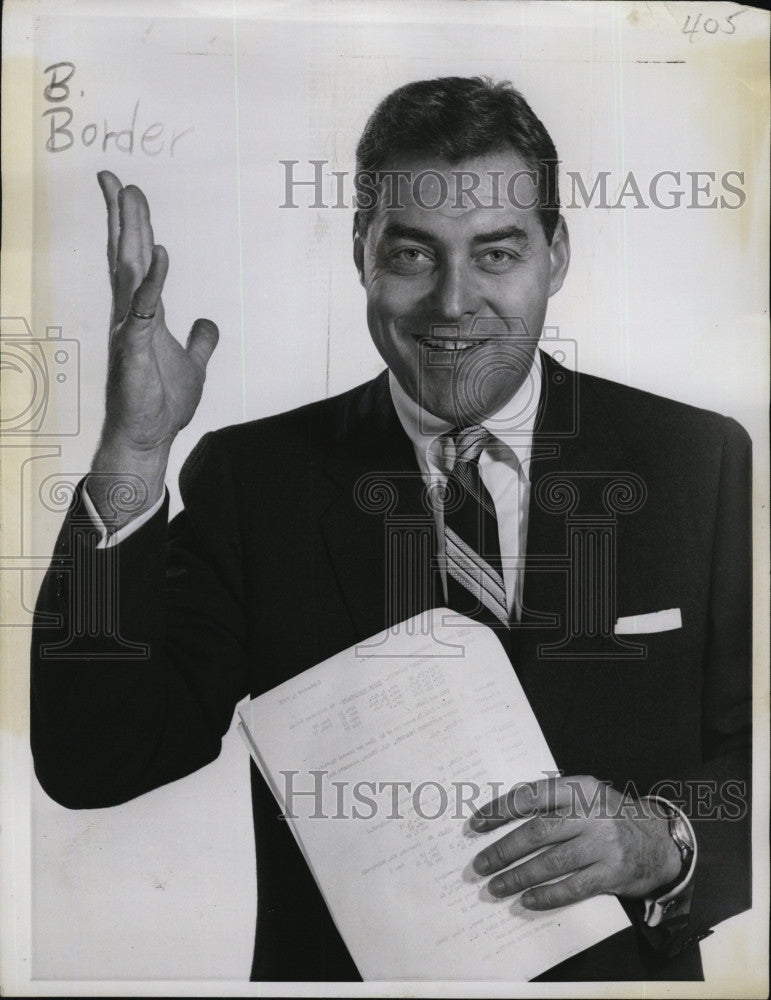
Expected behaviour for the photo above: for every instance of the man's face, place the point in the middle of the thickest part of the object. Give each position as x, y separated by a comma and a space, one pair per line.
456, 295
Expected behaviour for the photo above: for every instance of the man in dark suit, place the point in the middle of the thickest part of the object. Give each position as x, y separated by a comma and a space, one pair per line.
629, 626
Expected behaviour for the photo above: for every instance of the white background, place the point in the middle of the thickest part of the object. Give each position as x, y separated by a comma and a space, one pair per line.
671, 301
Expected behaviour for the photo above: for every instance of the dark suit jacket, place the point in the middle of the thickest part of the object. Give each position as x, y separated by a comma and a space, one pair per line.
279, 560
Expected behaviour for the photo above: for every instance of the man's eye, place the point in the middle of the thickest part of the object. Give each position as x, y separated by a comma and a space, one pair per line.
498, 258
411, 254
410, 259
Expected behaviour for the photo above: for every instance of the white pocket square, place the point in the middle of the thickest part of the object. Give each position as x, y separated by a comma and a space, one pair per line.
656, 621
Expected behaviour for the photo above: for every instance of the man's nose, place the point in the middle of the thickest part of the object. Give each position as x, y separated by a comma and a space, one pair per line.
453, 293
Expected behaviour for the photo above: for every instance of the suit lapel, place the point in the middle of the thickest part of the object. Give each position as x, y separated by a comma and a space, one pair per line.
378, 533
574, 440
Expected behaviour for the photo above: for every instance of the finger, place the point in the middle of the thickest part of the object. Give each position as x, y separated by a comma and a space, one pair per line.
523, 799
519, 801
541, 831
135, 223
147, 297
110, 186
135, 245
549, 864
577, 794
202, 340
582, 885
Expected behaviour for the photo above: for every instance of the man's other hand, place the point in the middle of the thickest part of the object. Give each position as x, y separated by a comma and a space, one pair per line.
590, 837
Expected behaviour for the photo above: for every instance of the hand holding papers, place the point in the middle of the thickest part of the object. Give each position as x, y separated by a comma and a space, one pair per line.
378, 757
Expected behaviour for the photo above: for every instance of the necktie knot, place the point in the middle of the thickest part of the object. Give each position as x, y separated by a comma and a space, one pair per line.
469, 442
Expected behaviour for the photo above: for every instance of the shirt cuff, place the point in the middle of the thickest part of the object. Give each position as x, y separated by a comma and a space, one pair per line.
676, 902
107, 540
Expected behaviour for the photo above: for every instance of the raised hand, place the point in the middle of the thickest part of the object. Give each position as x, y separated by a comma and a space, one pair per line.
154, 384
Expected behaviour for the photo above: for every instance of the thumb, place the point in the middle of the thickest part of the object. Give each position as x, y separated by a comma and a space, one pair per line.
202, 340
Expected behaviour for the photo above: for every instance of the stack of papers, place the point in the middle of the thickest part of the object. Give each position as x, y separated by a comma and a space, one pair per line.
378, 757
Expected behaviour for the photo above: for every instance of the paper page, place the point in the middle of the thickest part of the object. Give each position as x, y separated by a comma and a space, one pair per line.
378, 756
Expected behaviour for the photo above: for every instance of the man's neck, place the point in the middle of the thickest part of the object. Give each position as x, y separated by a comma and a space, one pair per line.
513, 423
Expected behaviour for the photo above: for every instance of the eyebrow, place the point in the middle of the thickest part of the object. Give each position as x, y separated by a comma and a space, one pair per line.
397, 230
507, 233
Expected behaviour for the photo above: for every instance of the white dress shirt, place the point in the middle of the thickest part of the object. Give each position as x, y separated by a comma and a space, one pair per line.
107, 540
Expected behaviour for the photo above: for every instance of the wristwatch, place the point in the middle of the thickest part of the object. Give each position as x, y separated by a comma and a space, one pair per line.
680, 832
661, 911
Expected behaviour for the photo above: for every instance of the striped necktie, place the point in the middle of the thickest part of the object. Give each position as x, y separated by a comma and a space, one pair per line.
475, 585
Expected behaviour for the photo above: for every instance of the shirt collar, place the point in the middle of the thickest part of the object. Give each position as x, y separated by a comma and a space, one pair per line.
512, 425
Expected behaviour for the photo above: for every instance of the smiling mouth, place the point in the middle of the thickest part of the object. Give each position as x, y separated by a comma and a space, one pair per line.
451, 345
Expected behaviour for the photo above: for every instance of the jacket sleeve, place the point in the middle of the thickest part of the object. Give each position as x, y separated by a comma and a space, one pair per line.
138, 651
717, 796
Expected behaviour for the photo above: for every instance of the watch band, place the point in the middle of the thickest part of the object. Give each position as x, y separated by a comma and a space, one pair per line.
680, 833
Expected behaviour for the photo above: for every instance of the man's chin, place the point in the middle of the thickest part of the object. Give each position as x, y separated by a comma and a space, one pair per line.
473, 385
454, 409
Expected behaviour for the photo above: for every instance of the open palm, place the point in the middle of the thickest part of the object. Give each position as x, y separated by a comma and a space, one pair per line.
154, 384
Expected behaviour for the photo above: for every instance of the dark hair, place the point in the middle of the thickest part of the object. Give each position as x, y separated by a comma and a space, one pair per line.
453, 118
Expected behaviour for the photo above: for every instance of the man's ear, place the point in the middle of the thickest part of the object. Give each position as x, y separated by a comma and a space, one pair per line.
559, 251
358, 250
